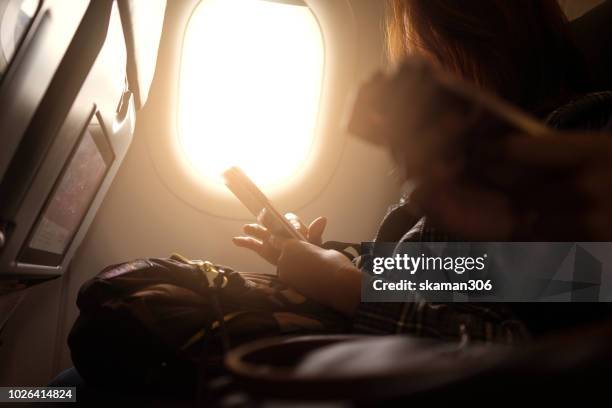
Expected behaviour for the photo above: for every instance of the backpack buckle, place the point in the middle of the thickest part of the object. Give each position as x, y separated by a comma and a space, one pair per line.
207, 268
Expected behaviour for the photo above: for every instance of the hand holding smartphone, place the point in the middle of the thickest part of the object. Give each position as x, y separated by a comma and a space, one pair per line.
258, 204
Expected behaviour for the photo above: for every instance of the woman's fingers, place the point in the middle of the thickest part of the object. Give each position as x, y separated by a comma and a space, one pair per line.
296, 223
316, 229
265, 249
314, 232
260, 237
249, 243
258, 231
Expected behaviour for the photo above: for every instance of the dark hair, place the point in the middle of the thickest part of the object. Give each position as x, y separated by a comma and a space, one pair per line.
520, 49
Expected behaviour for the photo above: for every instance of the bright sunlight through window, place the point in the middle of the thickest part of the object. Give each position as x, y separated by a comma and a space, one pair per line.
251, 79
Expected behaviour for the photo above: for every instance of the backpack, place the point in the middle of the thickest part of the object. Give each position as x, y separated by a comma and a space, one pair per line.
152, 322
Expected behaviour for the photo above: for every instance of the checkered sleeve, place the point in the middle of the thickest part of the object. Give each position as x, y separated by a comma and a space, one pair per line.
483, 322
453, 322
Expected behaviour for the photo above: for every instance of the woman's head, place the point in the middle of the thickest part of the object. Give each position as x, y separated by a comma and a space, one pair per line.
519, 49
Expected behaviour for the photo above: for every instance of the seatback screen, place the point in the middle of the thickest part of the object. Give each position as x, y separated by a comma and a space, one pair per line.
71, 197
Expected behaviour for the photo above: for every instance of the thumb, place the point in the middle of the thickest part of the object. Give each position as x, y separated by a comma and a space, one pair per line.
315, 230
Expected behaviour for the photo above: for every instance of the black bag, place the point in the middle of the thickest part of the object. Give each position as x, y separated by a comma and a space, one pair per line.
153, 322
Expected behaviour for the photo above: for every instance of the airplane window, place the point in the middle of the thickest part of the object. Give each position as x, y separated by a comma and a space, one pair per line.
250, 83
15, 15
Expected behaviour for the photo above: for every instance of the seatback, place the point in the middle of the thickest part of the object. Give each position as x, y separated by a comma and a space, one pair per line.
27, 77
67, 149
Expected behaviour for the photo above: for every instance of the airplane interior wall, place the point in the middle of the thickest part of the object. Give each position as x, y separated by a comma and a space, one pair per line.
141, 217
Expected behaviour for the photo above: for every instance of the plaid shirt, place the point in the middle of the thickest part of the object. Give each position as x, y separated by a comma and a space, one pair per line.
483, 322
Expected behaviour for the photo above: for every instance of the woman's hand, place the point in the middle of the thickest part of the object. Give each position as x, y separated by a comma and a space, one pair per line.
261, 240
323, 275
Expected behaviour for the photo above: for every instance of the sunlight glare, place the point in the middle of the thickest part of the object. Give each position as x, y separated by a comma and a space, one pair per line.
251, 79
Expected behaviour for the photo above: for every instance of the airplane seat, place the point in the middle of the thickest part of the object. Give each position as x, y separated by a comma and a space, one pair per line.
589, 30
67, 108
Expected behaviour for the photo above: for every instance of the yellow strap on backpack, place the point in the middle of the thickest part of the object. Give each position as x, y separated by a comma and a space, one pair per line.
207, 268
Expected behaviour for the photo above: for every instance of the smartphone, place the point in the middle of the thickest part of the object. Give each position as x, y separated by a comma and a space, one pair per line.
258, 204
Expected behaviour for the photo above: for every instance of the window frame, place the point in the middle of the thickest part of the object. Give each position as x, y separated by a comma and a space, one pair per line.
338, 30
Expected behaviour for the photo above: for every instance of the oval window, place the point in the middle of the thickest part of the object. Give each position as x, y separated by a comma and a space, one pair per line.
249, 90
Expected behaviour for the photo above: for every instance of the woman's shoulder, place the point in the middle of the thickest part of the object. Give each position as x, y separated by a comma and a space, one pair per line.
591, 111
